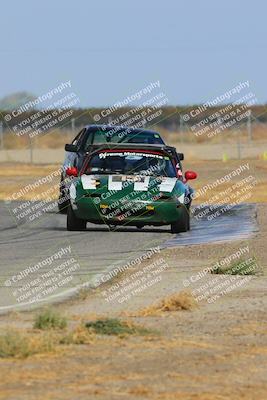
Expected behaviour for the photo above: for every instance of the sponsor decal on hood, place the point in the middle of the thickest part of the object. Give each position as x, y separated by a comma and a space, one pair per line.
118, 182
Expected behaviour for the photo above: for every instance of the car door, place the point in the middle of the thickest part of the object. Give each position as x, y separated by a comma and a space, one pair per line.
71, 158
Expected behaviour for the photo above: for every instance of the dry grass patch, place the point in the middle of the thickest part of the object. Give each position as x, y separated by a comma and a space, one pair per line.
27, 170
176, 302
14, 344
53, 139
113, 326
80, 335
20, 345
240, 267
49, 319
140, 390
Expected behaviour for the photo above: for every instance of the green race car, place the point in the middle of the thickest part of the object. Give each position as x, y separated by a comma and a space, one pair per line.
129, 184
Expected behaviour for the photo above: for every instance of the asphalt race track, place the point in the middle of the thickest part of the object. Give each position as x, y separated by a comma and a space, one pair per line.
96, 250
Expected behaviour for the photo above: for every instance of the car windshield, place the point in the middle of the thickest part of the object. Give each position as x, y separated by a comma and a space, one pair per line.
131, 163
112, 135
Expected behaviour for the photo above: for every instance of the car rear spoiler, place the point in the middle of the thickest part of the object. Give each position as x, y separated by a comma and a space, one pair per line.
169, 150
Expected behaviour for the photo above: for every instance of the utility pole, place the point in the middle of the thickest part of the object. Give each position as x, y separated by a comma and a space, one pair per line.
249, 127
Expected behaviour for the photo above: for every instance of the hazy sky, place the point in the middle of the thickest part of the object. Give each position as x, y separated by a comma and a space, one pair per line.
111, 48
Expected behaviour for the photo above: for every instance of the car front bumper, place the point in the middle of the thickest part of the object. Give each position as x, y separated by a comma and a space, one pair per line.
135, 212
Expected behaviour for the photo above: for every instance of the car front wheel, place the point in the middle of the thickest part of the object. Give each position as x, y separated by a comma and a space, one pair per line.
183, 223
62, 204
74, 223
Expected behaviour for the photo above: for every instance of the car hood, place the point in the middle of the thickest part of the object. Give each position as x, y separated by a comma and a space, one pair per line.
134, 184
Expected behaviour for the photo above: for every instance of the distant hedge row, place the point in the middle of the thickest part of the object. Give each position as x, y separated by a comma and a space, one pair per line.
169, 117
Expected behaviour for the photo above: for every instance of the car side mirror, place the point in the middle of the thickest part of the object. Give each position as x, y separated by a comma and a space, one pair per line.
72, 171
71, 148
189, 175
180, 156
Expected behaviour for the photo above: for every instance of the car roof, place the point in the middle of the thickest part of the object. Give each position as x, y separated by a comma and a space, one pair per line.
118, 128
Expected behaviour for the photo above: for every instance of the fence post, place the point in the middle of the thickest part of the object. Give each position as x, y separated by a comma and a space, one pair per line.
181, 128
238, 143
31, 150
73, 125
1, 136
249, 127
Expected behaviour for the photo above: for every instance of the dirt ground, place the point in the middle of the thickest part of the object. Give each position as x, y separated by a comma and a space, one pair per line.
214, 351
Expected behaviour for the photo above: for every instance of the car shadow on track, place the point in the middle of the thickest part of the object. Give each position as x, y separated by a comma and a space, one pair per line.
113, 230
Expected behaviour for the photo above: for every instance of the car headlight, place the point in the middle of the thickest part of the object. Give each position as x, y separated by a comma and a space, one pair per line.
180, 198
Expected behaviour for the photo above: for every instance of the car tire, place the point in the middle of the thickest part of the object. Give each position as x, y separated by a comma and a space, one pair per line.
183, 223
74, 223
140, 226
62, 206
